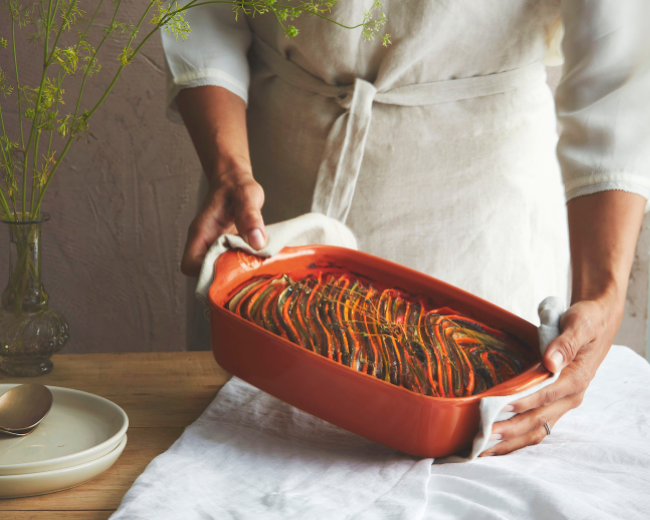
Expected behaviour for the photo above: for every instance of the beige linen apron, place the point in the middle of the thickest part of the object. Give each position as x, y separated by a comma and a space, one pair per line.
438, 151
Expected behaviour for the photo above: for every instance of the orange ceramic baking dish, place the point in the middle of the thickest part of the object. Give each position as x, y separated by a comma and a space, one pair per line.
413, 423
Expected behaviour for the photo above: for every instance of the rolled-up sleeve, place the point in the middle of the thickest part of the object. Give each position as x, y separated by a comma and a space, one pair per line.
213, 54
603, 100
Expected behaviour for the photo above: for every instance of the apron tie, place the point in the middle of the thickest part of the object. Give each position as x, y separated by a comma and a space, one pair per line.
346, 142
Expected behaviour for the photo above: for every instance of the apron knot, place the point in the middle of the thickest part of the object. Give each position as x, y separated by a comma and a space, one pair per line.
348, 93
343, 155
341, 164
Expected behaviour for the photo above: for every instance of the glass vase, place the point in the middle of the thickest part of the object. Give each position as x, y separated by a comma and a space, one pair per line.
30, 332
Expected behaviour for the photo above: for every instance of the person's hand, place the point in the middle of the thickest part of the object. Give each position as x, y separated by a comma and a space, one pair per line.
233, 205
588, 329
216, 121
604, 228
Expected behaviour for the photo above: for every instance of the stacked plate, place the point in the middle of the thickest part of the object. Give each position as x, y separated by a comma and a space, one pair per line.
82, 436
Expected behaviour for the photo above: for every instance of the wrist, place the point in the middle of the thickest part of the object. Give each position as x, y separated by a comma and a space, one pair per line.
604, 287
229, 170
606, 306
604, 228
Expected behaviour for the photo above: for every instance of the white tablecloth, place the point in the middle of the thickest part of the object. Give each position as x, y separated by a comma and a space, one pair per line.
250, 456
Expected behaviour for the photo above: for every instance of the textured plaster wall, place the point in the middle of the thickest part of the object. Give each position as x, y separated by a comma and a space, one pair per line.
120, 208
633, 328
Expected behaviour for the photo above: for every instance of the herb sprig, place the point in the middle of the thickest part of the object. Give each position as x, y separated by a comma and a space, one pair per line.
28, 160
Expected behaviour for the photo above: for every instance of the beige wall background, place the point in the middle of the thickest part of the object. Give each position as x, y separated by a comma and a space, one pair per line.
120, 208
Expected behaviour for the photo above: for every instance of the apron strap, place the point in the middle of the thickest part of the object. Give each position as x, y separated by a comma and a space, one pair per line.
346, 142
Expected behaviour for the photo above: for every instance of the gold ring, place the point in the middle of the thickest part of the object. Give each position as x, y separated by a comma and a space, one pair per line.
548, 428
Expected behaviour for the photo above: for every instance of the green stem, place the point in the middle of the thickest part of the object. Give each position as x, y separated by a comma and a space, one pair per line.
159, 25
277, 17
24, 192
121, 68
50, 18
61, 76
280, 7
137, 27
53, 13
5, 206
37, 209
10, 167
24, 293
18, 91
22, 266
59, 32
59, 82
82, 37
3, 201
46, 65
47, 30
5, 157
110, 87
93, 17
35, 171
20, 114
83, 81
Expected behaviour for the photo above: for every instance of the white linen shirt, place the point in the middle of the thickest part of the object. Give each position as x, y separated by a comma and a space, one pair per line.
602, 102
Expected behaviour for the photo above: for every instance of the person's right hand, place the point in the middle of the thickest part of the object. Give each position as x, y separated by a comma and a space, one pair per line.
233, 205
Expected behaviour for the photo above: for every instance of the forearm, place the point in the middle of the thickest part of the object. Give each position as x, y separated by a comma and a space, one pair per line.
604, 228
216, 121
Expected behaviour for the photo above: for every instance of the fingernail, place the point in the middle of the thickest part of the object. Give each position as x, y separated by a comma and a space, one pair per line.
495, 437
490, 454
557, 358
256, 239
508, 408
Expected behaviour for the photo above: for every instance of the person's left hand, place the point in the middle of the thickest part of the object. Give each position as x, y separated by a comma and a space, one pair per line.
588, 329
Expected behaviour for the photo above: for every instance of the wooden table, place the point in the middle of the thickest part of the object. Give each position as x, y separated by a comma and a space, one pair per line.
161, 393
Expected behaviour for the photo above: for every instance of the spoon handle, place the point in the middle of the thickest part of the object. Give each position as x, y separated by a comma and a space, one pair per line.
22, 433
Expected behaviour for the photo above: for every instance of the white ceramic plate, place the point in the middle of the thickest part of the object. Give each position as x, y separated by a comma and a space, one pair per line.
15, 486
80, 427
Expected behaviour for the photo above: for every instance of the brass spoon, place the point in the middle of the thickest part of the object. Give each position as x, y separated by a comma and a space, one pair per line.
23, 407
21, 433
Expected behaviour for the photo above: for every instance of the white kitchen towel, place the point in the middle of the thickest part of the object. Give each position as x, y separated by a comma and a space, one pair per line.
307, 229
315, 228
550, 312
253, 457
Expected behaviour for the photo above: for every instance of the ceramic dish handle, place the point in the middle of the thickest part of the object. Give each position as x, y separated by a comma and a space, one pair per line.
233, 263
